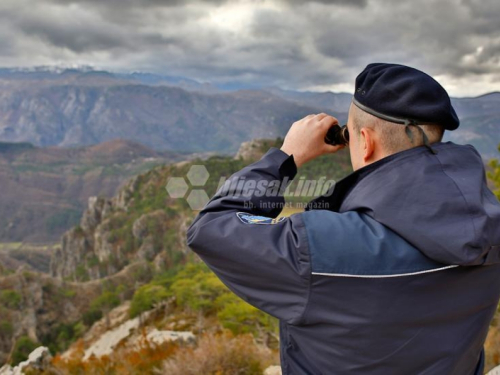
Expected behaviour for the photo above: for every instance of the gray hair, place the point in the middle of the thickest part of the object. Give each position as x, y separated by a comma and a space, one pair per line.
393, 136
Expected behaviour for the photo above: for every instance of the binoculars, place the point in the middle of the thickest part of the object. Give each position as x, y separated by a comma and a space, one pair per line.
337, 135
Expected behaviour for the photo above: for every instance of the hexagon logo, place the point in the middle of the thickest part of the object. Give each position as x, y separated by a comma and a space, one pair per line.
177, 187
198, 175
197, 199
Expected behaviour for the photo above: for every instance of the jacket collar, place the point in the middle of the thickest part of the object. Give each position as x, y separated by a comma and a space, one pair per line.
332, 200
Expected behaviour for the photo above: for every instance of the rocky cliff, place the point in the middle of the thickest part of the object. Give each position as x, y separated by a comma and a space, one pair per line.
254, 149
114, 233
119, 245
36, 308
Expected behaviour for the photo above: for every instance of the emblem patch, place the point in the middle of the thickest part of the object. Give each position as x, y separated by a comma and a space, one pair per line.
252, 219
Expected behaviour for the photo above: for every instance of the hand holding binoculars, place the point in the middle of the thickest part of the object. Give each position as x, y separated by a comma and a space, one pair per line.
337, 135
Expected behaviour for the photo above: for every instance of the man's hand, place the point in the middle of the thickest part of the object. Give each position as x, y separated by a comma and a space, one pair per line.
306, 138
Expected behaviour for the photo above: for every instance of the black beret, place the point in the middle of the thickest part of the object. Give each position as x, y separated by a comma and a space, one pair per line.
404, 95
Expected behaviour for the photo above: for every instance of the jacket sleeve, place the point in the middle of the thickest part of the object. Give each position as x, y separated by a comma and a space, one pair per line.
264, 261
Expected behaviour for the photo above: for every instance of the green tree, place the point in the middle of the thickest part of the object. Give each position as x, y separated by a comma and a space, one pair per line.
494, 174
23, 347
146, 297
10, 299
104, 303
196, 288
6, 328
91, 316
241, 317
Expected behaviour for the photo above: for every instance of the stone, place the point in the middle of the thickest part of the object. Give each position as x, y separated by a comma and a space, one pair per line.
38, 360
273, 370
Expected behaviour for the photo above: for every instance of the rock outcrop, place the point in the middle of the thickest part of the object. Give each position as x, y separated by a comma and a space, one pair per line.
110, 237
39, 361
254, 149
33, 304
273, 370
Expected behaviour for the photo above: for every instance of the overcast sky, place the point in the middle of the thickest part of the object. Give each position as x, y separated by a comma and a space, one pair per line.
306, 45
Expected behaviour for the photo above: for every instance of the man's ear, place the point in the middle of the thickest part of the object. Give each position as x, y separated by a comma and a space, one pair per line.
367, 138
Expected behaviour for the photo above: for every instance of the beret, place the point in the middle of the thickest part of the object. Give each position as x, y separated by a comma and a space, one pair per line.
403, 95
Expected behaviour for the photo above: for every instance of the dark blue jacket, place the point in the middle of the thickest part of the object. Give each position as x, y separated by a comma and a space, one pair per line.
395, 271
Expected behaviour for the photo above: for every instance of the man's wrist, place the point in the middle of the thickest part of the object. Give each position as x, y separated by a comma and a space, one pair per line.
296, 158
284, 161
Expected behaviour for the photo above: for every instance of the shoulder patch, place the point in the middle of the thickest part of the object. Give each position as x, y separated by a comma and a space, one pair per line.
252, 219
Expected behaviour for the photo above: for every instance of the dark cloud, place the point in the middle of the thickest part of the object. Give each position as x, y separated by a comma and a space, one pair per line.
173, 3
352, 3
76, 37
295, 44
137, 3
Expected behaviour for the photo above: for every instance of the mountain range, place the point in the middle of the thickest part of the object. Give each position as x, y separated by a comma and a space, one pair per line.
76, 107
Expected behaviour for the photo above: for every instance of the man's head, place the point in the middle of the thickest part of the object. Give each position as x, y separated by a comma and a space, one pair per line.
396, 108
371, 138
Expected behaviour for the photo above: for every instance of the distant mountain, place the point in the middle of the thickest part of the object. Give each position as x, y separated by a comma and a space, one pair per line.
334, 102
480, 116
482, 105
48, 113
479, 123
44, 190
76, 107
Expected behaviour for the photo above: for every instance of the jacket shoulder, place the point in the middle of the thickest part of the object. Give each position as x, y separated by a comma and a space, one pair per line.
354, 244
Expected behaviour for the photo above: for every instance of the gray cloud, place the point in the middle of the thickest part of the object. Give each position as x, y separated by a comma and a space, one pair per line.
352, 3
136, 3
75, 37
320, 44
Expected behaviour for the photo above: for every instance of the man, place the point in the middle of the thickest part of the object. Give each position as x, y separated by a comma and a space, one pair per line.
396, 270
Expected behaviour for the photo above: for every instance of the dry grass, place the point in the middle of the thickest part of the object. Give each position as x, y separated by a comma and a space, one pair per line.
218, 354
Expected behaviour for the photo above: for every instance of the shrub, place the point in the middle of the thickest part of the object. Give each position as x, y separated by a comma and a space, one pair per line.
494, 174
6, 328
146, 297
92, 261
23, 347
91, 316
196, 288
145, 358
81, 273
143, 273
241, 317
78, 231
10, 299
221, 354
61, 336
106, 301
